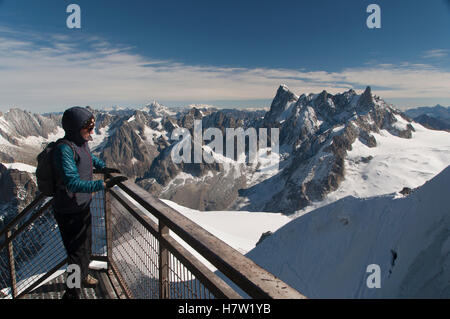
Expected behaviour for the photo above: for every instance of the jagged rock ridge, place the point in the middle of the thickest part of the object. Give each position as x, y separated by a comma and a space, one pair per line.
316, 133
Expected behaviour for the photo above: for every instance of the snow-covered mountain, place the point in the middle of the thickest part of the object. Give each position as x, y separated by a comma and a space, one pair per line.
436, 117
22, 134
317, 134
157, 110
325, 253
18, 188
433, 122
437, 111
330, 146
241, 230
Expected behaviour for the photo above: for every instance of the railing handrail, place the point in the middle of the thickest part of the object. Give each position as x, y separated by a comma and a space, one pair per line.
246, 274
215, 284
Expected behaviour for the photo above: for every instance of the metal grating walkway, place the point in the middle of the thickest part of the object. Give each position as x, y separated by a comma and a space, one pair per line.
54, 289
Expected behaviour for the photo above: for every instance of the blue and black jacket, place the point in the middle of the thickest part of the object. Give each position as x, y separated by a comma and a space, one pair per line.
74, 172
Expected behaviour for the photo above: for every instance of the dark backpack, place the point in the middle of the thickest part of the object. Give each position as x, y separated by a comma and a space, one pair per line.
45, 175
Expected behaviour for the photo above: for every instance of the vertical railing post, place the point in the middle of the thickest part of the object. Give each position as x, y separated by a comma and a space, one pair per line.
163, 263
12, 267
107, 205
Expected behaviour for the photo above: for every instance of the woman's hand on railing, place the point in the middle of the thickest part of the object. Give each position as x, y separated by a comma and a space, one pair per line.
114, 181
106, 170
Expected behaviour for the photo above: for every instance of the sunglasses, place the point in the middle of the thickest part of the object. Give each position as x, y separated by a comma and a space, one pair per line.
89, 124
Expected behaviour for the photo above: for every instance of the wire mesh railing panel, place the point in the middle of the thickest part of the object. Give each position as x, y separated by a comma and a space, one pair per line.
37, 250
129, 241
38, 247
138, 255
134, 250
5, 278
183, 284
98, 224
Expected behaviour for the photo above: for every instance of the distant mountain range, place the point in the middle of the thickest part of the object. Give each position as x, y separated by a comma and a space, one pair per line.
434, 117
437, 111
330, 145
343, 157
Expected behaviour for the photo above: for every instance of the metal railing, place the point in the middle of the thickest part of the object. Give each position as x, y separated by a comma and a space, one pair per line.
32, 249
151, 250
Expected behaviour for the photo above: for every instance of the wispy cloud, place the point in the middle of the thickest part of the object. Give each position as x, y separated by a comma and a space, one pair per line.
435, 54
41, 72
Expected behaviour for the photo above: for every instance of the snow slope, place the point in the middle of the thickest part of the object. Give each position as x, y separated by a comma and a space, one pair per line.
325, 253
241, 230
396, 163
20, 167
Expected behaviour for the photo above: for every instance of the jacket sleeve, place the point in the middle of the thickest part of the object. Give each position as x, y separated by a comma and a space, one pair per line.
98, 163
65, 164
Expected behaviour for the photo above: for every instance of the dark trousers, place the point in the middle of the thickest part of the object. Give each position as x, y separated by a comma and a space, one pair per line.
76, 233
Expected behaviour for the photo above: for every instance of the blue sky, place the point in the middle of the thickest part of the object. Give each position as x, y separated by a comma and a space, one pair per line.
226, 53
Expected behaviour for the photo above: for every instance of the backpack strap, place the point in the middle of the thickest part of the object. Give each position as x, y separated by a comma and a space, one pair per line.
76, 157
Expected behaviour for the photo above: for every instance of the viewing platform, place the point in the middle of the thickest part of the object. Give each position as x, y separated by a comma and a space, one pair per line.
145, 249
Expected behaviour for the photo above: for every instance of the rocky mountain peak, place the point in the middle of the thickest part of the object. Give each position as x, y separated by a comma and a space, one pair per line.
323, 96
283, 99
368, 91
157, 110
366, 99
315, 133
17, 186
17, 123
283, 95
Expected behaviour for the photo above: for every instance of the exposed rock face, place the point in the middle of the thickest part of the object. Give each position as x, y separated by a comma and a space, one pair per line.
16, 185
24, 124
437, 112
214, 191
130, 145
315, 133
135, 140
18, 189
433, 123
199, 185
406, 191
157, 110
22, 134
263, 237
280, 107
